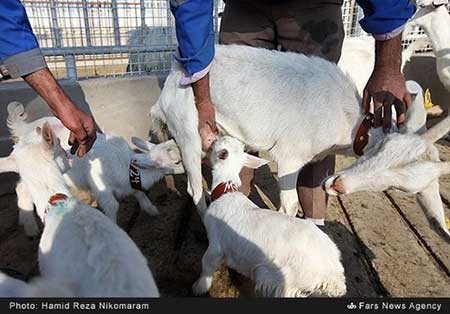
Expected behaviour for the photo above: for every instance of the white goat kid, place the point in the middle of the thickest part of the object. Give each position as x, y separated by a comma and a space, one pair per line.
80, 248
280, 105
358, 53
296, 260
103, 172
407, 162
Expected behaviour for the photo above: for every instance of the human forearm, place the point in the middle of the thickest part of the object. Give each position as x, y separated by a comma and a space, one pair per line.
388, 53
81, 125
201, 92
43, 82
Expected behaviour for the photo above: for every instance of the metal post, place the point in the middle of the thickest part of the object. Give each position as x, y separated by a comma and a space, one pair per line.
116, 26
55, 27
169, 23
87, 29
142, 13
71, 66
216, 19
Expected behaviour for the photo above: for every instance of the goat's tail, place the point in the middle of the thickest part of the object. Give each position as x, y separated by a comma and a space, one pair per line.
437, 131
38, 287
8, 164
158, 123
16, 118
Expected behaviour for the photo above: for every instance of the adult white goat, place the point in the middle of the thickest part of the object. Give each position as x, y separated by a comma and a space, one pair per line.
296, 260
407, 162
298, 108
80, 250
103, 172
358, 53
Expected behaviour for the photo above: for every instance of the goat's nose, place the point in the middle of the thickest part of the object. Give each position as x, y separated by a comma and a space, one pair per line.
338, 185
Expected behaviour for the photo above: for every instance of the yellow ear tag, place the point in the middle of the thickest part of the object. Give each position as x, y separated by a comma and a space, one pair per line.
427, 101
447, 222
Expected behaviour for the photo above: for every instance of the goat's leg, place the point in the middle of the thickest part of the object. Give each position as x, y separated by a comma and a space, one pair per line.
8, 164
287, 179
431, 203
108, 203
145, 204
191, 153
26, 210
210, 262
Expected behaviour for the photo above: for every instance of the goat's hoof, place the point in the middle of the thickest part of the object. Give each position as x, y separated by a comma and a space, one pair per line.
288, 211
31, 229
151, 210
200, 287
334, 186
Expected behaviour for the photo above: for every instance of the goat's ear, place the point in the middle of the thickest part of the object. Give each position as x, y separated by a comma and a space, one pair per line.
222, 154
48, 136
142, 144
253, 161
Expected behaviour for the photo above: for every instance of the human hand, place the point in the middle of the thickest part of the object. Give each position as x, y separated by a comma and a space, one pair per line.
82, 128
207, 124
386, 87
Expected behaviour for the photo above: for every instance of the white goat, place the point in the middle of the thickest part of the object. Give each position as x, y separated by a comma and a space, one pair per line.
407, 162
298, 108
80, 248
38, 287
103, 172
358, 53
296, 260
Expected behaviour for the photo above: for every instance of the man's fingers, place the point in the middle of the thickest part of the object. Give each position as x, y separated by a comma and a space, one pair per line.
81, 151
377, 113
72, 138
387, 116
74, 147
407, 99
366, 101
213, 126
400, 110
79, 144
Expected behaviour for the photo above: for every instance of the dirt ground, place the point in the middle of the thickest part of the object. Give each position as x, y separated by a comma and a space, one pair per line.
388, 247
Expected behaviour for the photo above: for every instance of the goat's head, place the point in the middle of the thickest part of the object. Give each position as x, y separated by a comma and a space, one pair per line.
41, 162
408, 162
163, 156
228, 153
42, 149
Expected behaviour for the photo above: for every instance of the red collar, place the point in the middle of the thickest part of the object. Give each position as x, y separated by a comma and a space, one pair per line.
223, 188
362, 135
53, 200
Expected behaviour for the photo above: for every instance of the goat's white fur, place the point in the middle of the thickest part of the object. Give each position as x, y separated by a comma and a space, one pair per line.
81, 251
298, 108
103, 172
408, 162
297, 260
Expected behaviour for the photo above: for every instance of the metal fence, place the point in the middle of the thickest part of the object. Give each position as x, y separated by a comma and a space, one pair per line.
91, 38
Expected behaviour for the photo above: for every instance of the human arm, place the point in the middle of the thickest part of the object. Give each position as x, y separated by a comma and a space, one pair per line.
20, 56
385, 20
195, 35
